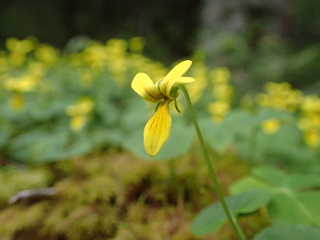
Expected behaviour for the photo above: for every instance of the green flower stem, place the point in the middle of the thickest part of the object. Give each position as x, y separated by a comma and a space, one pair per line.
236, 227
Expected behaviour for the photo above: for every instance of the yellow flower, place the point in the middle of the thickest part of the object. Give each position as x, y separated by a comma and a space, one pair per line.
157, 130
270, 126
16, 101
24, 83
77, 122
220, 75
312, 138
79, 113
218, 110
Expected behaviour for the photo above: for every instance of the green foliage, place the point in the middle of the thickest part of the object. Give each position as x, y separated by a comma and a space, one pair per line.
292, 232
294, 191
211, 218
242, 130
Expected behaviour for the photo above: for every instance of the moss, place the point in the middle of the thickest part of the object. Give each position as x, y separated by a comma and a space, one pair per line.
117, 196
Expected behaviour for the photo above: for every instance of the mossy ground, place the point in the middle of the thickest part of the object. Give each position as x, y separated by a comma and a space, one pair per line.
118, 196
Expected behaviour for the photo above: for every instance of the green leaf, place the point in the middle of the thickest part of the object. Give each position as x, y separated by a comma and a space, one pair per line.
289, 232
241, 121
218, 136
286, 193
285, 143
246, 184
5, 132
300, 181
136, 114
272, 175
305, 205
211, 218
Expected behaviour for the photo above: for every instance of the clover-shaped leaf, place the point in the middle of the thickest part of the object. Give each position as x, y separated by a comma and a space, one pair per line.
294, 199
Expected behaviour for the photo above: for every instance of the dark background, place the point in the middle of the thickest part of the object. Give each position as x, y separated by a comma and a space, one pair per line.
169, 27
174, 29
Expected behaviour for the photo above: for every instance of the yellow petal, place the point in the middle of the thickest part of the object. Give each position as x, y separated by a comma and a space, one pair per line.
77, 122
173, 76
181, 80
16, 101
143, 85
184, 80
157, 130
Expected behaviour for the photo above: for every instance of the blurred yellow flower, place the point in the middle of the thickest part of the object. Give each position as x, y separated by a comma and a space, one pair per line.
116, 50
309, 121
95, 56
199, 72
46, 54
23, 46
270, 126
312, 138
16, 101
218, 110
222, 92
157, 130
220, 75
136, 44
24, 83
77, 122
18, 50
311, 103
280, 96
79, 113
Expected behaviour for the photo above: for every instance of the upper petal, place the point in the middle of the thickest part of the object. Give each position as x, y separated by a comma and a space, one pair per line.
184, 80
157, 130
173, 76
181, 80
143, 85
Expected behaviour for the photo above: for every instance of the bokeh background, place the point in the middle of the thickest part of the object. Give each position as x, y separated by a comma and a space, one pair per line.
71, 125
237, 34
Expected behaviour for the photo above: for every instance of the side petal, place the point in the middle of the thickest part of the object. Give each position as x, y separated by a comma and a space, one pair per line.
157, 130
143, 85
173, 76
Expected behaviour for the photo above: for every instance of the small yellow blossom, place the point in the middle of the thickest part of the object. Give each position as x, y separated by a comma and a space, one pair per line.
79, 113
199, 72
312, 138
218, 110
309, 121
280, 96
270, 126
46, 54
77, 122
24, 84
222, 93
16, 101
157, 130
18, 50
136, 44
220, 75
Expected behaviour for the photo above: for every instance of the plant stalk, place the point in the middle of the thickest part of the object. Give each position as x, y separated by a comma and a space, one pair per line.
234, 224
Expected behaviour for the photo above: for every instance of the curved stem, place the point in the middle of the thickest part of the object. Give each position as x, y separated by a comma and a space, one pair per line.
237, 229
